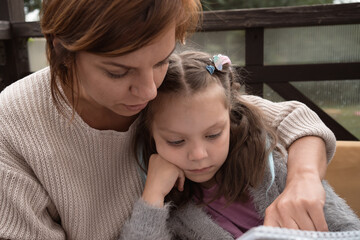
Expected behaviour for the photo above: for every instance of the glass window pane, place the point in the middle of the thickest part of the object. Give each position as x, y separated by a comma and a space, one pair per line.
37, 54
271, 95
230, 43
340, 99
305, 45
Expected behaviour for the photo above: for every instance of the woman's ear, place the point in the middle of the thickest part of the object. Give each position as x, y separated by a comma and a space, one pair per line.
56, 43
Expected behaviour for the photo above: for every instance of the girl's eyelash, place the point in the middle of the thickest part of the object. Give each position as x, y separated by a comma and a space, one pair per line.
213, 136
179, 142
175, 143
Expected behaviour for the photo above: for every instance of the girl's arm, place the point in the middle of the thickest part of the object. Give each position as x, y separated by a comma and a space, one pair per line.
150, 214
161, 177
310, 146
147, 222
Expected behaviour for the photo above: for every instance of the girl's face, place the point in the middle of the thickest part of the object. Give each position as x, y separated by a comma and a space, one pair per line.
193, 133
124, 84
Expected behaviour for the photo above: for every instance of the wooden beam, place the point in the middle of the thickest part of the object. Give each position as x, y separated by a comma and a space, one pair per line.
224, 20
26, 29
306, 72
5, 32
315, 15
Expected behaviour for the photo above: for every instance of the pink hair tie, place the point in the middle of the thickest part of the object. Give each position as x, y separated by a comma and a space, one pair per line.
219, 60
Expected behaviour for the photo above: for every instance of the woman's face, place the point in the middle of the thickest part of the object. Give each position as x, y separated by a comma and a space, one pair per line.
124, 84
193, 133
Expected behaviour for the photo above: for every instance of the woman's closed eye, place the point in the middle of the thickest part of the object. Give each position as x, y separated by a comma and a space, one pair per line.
162, 63
116, 75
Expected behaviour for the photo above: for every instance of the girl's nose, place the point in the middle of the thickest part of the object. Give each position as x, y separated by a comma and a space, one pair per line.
144, 87
197, 152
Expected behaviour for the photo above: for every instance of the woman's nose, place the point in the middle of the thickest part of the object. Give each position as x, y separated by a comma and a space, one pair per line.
197, 152
144, 87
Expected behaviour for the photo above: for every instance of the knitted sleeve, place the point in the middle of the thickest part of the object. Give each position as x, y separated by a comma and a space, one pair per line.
147, 222
293, 120
26, 211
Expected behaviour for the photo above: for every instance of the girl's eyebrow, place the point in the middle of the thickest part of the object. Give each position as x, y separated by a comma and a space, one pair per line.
130, 67
220, 123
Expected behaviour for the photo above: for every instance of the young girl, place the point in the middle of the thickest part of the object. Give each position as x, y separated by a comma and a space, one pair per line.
201, 136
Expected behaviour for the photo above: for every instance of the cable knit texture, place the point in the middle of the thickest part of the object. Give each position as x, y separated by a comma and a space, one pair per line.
293, 120
66, 180
60, 179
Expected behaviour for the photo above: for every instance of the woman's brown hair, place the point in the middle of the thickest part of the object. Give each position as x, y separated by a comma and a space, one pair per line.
108, 28
251, 140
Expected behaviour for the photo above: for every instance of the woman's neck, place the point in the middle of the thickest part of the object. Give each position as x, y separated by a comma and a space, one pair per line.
103, 118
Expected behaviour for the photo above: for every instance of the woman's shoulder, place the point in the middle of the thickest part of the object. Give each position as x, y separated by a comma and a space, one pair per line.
26, 90
26, 96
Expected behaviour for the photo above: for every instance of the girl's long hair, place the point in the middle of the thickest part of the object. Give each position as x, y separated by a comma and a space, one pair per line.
251, 140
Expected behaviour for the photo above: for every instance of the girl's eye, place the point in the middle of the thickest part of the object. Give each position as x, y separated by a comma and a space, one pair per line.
213, 136
115, 75
175, 143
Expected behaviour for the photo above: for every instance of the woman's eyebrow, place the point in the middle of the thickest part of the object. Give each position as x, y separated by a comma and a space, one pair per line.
115, 64
168, 55
129, 67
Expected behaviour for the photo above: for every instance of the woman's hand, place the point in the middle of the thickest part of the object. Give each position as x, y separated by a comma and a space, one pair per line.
162, 176
301, 204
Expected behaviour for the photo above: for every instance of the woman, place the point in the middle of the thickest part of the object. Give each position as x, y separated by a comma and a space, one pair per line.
66, 166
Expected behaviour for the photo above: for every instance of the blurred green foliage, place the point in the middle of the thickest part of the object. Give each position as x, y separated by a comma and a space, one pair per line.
31, 5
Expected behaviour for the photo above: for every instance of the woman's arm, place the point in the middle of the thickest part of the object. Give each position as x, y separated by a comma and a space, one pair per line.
300, 205
26, 210
310, 146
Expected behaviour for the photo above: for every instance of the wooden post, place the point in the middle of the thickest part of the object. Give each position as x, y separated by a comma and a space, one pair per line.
254, 56
15, 63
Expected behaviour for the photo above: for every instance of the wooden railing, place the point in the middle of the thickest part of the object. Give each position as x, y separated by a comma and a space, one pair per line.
14, 32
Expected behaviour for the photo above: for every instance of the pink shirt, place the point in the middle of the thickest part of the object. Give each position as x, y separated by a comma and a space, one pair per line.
237, 218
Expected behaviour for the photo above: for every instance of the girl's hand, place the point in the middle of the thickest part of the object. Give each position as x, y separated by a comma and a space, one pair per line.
162, 176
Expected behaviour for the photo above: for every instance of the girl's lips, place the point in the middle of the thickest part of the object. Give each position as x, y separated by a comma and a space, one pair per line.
137, 107
202, 170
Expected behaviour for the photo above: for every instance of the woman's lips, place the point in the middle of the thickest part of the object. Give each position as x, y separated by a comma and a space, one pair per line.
137, 107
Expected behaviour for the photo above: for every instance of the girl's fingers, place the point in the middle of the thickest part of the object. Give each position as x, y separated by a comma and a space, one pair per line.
181, 180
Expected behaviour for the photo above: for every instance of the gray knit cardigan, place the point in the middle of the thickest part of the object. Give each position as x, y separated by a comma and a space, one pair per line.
191, 222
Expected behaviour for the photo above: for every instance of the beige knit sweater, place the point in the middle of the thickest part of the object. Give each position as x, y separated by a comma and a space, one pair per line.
66, 180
